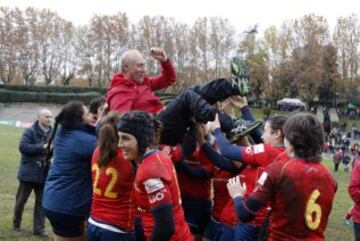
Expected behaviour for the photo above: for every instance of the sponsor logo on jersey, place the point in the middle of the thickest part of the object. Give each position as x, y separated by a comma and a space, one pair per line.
153, 184
263, 178
259, 148
157, 197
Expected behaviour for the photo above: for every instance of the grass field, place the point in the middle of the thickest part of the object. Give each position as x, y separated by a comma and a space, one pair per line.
9, 159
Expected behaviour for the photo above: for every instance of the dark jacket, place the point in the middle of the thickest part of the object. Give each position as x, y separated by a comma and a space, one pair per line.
68, 186
32, 168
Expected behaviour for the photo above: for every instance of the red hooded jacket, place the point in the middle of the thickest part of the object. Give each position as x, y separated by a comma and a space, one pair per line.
354, 191
125, 95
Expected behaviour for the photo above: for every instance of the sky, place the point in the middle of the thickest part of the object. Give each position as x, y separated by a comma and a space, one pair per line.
242, 14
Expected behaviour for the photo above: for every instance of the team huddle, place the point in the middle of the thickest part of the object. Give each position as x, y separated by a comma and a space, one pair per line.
190, 170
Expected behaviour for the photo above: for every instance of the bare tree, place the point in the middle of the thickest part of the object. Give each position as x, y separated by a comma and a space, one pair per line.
7, 46
50, 28
347, 40
28, 45
221, 43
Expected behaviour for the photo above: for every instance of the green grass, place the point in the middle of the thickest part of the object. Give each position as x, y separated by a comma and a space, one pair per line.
9, 159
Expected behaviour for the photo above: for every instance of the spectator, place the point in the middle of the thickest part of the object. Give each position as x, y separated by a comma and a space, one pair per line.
353, 129
67, 192
338, 155
32, 171
346, 161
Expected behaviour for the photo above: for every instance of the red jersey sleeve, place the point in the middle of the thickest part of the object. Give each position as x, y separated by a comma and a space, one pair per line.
154, 180
265, 187
260, 154
174, 152
158, 192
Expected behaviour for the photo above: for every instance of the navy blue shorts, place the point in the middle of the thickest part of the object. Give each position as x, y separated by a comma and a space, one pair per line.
197, 213
224, 233
66, 225
95, 233
212, 229
246, 232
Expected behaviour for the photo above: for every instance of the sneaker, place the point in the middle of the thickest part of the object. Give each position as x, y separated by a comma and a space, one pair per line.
242, 128
239, 76
42, 234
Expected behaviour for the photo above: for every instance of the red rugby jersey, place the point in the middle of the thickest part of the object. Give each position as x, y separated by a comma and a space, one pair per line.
301, 195
195, 187
221, 195
260, 158
155, 185
113, 192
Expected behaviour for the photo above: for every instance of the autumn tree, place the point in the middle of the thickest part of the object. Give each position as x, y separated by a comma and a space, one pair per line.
8, 44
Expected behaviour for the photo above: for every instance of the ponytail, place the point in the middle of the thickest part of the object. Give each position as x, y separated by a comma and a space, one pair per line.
108, 139
108, 144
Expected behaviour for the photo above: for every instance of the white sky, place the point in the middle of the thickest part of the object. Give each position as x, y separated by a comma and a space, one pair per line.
242, 13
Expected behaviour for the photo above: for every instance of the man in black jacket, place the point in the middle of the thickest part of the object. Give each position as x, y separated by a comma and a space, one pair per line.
33, 170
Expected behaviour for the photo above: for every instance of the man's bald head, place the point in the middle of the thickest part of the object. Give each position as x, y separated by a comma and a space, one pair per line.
45, 118
133, 65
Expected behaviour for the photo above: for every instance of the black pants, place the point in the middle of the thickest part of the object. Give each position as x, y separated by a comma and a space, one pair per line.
195, 102
22, 195
357, 231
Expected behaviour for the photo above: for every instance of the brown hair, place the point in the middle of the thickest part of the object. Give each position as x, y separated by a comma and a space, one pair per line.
69, 116
306, 134
277, 122
108, 139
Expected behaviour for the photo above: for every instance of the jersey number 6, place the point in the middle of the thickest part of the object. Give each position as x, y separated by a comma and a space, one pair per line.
313, 211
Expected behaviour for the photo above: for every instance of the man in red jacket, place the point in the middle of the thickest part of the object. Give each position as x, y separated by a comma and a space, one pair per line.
132, 89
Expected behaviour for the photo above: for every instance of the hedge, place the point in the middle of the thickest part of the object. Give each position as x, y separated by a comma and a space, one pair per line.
63, 89
58, 98
52, 89
23, 94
